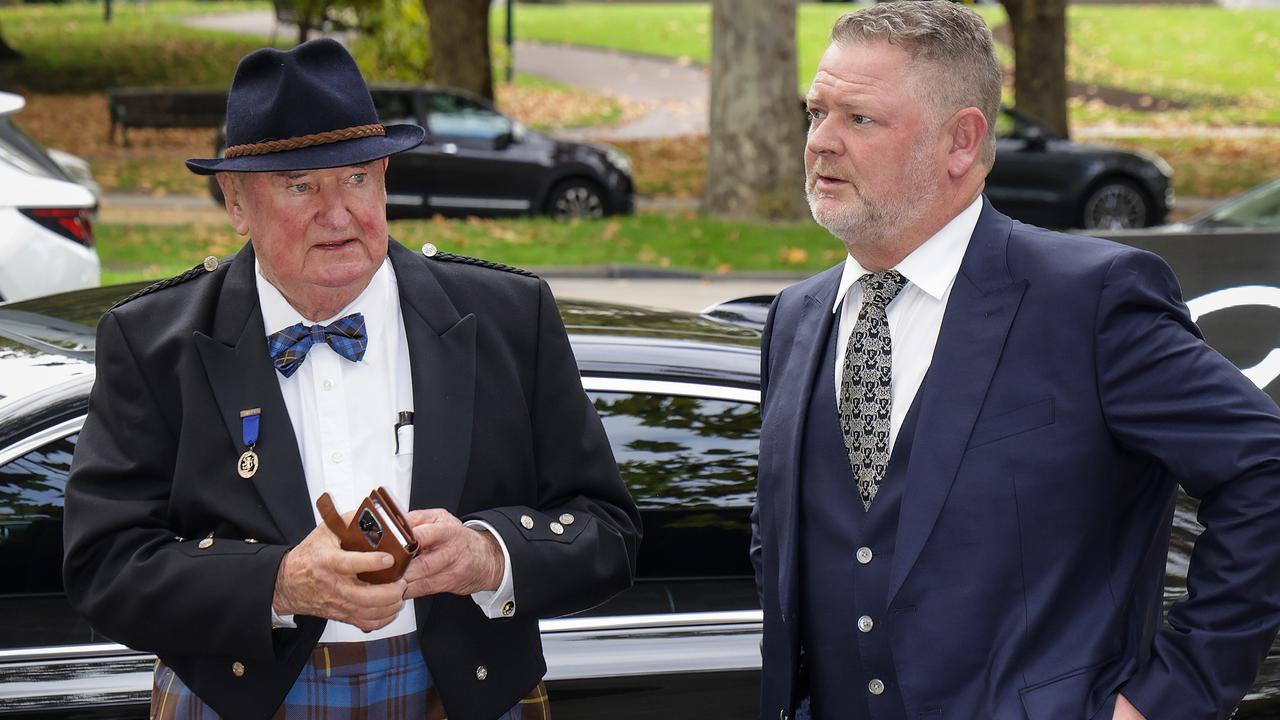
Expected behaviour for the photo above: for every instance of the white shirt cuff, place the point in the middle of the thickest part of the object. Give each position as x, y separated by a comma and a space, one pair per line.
281, 621
498, 603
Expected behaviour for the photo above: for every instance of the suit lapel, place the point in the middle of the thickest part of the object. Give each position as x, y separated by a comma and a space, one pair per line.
983, 303
803, 359
442, 359
241, 377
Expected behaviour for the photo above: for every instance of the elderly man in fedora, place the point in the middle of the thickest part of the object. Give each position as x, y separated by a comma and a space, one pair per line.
323, 361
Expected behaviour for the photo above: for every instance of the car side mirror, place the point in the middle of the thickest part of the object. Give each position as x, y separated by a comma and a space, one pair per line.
1035, 138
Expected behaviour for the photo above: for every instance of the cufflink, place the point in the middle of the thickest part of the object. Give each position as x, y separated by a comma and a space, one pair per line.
508, 608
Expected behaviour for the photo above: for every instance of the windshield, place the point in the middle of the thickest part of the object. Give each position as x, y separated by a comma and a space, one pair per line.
1257, 208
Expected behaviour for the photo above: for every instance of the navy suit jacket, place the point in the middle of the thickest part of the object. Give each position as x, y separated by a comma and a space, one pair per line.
1069, 395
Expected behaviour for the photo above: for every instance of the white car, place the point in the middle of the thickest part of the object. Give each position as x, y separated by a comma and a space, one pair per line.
46, 237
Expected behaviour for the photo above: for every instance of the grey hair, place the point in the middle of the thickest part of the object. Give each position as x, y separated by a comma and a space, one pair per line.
952, 55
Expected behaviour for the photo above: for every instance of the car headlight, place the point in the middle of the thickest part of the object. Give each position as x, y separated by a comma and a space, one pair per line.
618, 159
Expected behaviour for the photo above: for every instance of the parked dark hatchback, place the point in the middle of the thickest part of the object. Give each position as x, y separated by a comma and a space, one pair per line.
475, 161
1050, 181
678, 396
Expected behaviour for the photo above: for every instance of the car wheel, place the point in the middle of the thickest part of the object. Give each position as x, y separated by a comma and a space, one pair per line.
1115, 204
573, 199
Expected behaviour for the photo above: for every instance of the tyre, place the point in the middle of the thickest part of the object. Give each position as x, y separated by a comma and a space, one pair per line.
574, 199
1115, 204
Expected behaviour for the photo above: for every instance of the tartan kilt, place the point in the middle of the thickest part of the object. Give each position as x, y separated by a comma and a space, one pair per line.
376, 680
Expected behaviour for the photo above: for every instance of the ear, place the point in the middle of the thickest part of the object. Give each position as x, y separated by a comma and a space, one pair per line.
233, 199
964, 131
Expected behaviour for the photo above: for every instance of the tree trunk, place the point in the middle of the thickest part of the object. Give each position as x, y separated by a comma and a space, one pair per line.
1039, 29
755, 162
460, 44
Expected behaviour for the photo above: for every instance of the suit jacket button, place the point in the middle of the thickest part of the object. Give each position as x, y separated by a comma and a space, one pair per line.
429, 250
237, 668
864, 555
557, 528
205, 544
876, 686
526, 522
566, 519
482, 672
251, 541
210, 263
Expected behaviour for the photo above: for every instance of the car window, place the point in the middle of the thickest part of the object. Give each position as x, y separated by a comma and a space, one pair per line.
1259, 208
690, 463
459, 117
393, 106
33, 608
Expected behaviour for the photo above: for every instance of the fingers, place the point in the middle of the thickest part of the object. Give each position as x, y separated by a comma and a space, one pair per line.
354, 563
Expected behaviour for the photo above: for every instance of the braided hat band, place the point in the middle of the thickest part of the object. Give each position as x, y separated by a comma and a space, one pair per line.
302, 141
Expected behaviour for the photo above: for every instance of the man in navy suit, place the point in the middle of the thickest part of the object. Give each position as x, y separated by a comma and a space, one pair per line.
974, 430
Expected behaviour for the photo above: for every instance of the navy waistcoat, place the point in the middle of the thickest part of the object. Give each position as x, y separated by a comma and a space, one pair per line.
845, 556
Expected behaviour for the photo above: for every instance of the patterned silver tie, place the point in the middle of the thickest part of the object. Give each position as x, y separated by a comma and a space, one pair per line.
865, 398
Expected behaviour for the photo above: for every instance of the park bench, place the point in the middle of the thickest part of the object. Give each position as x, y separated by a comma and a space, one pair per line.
164, 108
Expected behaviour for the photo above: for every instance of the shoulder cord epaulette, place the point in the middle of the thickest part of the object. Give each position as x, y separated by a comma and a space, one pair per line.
197, 271
450, 257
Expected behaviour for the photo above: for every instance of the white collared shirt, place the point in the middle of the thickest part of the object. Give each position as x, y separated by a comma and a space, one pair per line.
915, 315
344, 417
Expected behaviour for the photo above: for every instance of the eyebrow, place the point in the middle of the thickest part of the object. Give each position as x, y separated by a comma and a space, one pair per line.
303, 173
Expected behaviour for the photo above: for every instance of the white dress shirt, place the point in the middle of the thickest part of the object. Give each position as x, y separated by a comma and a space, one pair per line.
344, 418
915, 315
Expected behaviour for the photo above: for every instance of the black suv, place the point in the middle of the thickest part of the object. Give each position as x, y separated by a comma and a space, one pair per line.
478, 162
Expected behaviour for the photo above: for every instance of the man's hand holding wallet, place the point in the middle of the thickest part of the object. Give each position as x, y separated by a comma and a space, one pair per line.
360, 566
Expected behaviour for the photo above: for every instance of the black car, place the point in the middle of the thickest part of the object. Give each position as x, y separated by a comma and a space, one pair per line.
475, 161
1045, 180
679, 399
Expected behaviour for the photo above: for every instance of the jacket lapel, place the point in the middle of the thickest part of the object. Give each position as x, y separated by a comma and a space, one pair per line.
983, 303
241, 377
442, 359
803, 359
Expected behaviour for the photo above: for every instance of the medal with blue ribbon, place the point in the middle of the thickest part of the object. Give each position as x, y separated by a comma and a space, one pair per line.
248, 464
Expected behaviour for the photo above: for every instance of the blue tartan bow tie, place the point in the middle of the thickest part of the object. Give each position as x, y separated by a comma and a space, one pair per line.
289, 347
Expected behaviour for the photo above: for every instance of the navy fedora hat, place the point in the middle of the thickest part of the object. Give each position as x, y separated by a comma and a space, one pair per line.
303, 109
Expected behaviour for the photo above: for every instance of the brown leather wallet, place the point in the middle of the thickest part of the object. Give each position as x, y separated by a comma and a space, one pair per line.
378, 525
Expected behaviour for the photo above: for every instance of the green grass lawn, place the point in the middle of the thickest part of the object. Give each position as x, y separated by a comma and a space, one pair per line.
69, 49
137, 252
1222, 62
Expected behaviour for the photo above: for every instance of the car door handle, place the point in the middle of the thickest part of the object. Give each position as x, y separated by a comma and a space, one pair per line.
449, 148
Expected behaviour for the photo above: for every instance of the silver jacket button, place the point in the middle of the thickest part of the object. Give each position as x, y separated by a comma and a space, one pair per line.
567, 519
527, 522
865, 623
557, 528
237, 668
482, 672
864, 555
429, 250
876, 686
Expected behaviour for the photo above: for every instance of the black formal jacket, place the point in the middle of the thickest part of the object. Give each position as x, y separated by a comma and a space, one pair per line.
502, 429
